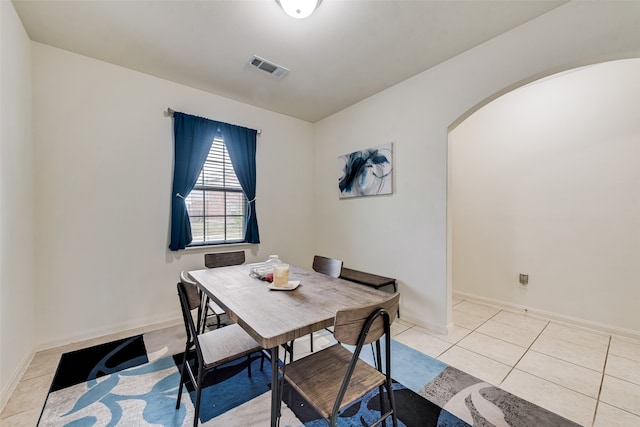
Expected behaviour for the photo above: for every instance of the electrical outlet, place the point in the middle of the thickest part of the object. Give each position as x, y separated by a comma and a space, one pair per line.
524, 279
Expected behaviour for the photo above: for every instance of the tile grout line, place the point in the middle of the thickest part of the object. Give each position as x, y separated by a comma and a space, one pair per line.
525, 352
597, 399
604, 368
472, 330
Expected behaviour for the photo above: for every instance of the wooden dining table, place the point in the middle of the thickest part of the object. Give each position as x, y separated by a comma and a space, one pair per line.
277, 317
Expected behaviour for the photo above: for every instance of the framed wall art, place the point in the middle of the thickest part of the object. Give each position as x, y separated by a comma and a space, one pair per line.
366, 172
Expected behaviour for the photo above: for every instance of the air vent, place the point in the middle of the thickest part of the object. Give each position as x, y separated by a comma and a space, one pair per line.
268, 67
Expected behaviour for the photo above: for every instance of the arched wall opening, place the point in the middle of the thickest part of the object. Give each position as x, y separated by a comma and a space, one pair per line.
544, 181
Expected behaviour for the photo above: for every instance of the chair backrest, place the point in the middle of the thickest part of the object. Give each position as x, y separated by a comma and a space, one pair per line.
329, 266
349, 323
189, 325
224, 259
191, 290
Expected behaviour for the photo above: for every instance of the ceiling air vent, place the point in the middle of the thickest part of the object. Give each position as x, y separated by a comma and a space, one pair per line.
268, 67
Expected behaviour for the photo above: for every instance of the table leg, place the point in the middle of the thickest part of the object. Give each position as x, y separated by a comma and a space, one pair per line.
275, 387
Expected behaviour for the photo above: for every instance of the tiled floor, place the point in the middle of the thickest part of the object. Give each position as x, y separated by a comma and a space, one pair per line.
26, 402
587, 376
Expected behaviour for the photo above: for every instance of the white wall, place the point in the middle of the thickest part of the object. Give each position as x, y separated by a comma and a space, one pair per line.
103, 157
545, 182
405, 235
16, 203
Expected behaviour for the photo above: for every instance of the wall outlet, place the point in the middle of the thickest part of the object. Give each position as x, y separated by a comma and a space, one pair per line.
524, 279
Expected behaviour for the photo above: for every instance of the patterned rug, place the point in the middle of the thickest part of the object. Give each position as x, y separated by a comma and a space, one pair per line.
134, 382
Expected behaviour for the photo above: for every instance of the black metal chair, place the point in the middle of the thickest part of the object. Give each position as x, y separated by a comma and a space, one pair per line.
212, 349
329, 266
333, 378
214, 260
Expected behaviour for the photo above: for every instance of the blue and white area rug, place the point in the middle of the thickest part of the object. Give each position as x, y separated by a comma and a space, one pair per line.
134, 382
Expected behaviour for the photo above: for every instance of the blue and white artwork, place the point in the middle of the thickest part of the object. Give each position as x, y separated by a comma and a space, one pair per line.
366, 172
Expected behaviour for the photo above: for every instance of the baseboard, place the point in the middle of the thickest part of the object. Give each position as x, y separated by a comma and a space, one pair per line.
153, 322
13, 382
549, 315
437, 328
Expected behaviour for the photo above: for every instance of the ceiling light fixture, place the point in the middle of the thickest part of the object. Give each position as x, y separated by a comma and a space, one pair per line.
299, 8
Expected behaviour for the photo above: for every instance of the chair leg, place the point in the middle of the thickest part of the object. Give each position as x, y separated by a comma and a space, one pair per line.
382, 409
392, 402
196, 412
311, 339
217, 321
184, 368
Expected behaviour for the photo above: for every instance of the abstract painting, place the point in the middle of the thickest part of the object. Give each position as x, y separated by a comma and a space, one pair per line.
366, 172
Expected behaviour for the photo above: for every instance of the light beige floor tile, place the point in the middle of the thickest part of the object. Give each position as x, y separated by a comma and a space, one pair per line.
590, 339
523, 337
625, 348
398, 327
493, 348
466, 320
422, 342
456, 333
609, 416
43, 363
29, 395
23, 419
477, 309
574, 353
625, 369
162, 325
522, 321
572, 405
621, 394
566, 374
302, 346
475, 364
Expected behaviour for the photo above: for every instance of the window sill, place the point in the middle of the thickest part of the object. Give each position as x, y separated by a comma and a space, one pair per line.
209, 246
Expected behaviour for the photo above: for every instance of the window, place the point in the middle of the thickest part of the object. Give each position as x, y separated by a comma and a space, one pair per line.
217, 207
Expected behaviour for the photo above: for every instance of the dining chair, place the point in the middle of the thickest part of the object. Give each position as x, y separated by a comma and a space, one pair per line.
213, 348
329, 266
334, 377
194, 296
214, 260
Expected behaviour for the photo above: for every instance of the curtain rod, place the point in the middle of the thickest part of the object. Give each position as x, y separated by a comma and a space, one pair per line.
169, 113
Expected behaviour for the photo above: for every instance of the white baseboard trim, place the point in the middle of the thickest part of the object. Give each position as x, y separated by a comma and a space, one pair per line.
421, 323
549, 315
146, 324
13, 382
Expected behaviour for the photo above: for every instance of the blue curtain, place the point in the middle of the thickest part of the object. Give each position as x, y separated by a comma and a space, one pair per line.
193, 139
241, 145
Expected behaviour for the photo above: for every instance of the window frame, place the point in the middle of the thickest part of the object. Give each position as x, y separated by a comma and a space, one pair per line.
220, 164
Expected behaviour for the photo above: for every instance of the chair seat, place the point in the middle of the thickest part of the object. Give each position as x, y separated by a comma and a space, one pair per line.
223, 345
215, 308
318, 378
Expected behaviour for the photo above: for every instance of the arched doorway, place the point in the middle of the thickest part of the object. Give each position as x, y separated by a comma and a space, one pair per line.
544, 181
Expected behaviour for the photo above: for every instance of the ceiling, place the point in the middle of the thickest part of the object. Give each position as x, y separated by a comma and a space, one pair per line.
346, 51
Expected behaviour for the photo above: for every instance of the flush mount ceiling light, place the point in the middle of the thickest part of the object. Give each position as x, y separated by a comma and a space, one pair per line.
299, 8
